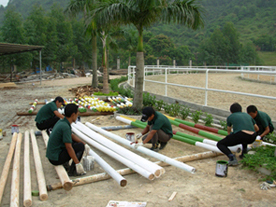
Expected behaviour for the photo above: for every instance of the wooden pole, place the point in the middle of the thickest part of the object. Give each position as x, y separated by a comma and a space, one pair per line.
127, 171
16, 174
27, 199
39, 170
62, 174
7, 164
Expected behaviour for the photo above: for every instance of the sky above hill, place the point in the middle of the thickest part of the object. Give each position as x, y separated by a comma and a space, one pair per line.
4, 2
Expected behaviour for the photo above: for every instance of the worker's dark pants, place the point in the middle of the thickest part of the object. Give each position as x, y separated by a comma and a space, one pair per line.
234, 139
64, 156
47, 124
159, 136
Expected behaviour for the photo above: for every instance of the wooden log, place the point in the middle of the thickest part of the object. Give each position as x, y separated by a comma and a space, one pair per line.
38, 103
7, 164
80, 114
16, 174
127, 171
172, 196
62, 174
27, 198
39, 170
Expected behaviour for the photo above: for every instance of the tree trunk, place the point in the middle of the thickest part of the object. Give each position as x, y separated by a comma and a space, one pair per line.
94, 62
129, 59
139, 79
74, 63
107, 62
105, 72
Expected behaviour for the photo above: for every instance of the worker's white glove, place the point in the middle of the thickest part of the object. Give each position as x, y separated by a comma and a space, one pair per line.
258, 137
138, 145
86, 150
138, 136
79, 169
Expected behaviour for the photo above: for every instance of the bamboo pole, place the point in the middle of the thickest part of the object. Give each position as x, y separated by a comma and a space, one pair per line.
127, 171
7, 164
16, 174
62, 174
27, 199
39, 170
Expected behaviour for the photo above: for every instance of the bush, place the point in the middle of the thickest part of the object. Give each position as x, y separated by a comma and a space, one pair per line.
148, 100
263, 157
223, 124
174, 109
130, 111
271, 138
184, 112
159, 105
196, 116
208, 119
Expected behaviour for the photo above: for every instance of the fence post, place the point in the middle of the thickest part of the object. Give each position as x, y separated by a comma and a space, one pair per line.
128, 74
206, 87
145, 69
166, 81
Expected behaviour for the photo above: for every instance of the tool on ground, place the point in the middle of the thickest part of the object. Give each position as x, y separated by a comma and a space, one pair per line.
266, 185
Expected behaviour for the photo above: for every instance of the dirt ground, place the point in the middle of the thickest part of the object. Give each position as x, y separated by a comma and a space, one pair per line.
239, 188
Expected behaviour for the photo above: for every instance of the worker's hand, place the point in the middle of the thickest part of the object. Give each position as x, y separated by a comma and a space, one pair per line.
86, 150
138, 136
138, 144
79, 169
258, 137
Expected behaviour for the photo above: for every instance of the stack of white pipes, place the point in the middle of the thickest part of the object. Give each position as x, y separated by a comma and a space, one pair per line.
137, 163
142, 149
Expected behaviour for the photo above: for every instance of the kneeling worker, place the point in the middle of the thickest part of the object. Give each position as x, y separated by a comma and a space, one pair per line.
159, 128
48, 115
63, 145
262, 120
244, 132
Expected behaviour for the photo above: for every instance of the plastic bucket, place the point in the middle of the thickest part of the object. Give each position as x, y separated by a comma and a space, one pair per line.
14, 128
130, 136
221, 168
257, 143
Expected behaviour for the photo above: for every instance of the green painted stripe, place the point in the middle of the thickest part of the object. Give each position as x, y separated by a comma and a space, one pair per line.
190, 136
208, 135
182, 139
185, 122
133, 123
222, 132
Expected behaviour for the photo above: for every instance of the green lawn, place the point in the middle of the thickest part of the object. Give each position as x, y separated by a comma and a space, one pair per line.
269, 58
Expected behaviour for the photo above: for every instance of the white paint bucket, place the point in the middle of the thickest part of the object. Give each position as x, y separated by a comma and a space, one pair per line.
130, 136
88, 163
221, 168
257, 143
14, 128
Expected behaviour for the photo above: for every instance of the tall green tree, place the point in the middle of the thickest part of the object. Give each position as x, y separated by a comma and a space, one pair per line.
143, 14
83, 6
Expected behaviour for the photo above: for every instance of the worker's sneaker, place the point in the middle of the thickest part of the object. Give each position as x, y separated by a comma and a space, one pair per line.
66, 166
49, 131
162, 145
233, 162
155, 147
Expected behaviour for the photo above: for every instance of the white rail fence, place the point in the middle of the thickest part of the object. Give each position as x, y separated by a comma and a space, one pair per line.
165, 71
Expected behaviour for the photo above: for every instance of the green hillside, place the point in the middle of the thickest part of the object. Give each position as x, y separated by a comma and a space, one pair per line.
269, 58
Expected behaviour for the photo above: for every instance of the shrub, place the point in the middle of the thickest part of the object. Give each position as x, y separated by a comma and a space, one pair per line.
223, 124
130, 111
208, 119
184, 112
174, 109
159, 105
196, 116
271, 138
148, 100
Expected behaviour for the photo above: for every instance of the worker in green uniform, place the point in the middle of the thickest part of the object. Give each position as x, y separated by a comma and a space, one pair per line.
48, 115
64, 146
262, 120
244, 133
159, 128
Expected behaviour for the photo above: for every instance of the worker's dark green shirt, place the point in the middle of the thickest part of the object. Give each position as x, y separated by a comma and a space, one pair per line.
46, 112
161, 122
263, 119
240, 121
60, 135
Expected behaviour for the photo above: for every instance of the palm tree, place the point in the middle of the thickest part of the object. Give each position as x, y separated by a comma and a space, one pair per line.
142, 14
75, 7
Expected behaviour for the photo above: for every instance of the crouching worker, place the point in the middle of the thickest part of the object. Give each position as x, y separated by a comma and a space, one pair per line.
244, 128
159, 128
48, 115
63, 145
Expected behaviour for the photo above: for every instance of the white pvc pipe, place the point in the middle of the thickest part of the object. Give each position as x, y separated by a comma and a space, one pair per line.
143, 149
77, 130
107, 168
235, 148
142, 162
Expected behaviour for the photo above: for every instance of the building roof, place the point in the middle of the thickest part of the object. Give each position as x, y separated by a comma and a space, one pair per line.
9, 48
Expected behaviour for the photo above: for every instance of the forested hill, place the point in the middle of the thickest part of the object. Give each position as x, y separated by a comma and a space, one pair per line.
252, 18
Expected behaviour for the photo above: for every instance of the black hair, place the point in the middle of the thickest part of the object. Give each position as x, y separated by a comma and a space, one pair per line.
235, 107
59, 99
70, 109
148, 111
251, 108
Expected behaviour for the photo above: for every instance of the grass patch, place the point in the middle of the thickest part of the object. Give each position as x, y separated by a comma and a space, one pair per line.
269, 58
